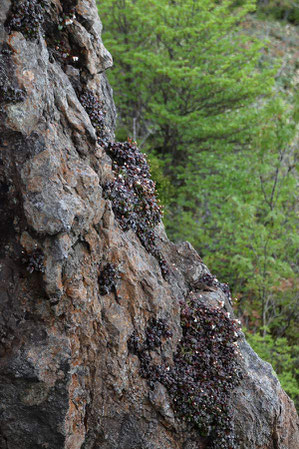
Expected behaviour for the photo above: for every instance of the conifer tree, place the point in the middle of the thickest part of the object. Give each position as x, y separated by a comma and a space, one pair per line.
183, 73
195, 92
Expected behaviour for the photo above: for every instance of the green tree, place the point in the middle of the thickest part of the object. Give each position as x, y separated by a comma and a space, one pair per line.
197, 95
250, 236
281, 9
183, 74
192, 89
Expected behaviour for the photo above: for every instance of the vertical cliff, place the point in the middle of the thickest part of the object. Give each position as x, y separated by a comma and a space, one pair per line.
111, 337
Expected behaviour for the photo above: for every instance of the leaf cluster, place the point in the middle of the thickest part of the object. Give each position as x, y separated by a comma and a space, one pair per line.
133, 196
205, 368
26, 16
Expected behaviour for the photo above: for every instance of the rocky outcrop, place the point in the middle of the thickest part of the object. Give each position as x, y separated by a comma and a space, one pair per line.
111, 337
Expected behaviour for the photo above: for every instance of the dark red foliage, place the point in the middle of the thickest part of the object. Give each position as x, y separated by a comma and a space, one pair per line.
26, 16
156, 330
133, 196
34, 261
205, 370
132, 192
108, 278
94, 108
212, 281
134, 344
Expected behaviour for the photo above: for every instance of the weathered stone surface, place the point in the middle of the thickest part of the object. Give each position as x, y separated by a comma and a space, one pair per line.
67, 379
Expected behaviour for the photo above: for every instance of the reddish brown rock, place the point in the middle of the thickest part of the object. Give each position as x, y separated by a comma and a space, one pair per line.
67, 378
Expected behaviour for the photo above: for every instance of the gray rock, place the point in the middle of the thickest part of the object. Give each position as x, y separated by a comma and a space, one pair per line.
67, 379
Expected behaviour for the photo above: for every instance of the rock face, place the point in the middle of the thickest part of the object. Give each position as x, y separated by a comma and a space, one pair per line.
94, 322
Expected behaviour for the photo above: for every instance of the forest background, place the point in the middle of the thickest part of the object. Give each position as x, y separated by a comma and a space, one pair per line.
209, 90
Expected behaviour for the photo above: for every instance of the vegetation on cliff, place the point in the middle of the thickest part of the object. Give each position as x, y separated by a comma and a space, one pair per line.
213, 101
206, 368
80, 292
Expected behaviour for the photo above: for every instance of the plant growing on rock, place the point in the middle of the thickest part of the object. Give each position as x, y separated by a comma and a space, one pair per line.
34, 261
133, 196
132, 192
95, 109
26, 16
156, 330
207, 280
206, 368
108, 278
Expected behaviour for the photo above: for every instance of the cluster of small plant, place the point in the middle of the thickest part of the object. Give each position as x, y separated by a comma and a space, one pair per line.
26, 16
156, 332
205, 370
132, 192
34, 261
95, 109
61, 47
133, 196
207, 367
59, 50
108, 278
67, 19
212, 281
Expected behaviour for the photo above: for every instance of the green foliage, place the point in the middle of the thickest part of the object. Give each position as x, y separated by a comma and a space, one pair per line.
280, 9
283, 358
199, 95
164, 186
189, 82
